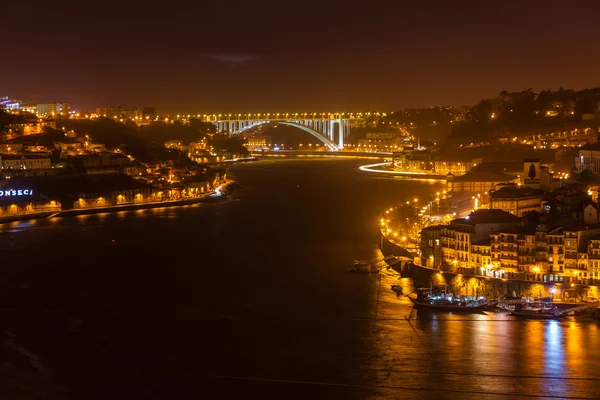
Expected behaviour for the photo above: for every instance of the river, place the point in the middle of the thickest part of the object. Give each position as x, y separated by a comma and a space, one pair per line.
252, 298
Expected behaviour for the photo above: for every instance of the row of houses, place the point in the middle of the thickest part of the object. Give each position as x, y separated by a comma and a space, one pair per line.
540, 247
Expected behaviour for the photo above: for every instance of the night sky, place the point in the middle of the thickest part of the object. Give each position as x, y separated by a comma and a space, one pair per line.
293, 56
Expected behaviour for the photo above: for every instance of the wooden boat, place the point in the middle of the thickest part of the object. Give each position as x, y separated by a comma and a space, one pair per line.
542, 310
448, 302
538, 314
469, 307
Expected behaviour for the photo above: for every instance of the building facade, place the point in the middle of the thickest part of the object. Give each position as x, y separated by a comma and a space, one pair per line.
509, 250
516, 200
25, 162
588, 158
49, 109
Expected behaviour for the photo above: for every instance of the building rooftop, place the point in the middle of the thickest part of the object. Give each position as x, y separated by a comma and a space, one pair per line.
500, 166
485, 176
23, 156
514, 192
591, 146
487, 216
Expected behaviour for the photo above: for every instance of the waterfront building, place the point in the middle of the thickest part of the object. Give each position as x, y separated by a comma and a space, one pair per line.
516, 199
385, 141
57, 108
11, 208
481, 251
457, 237
431, 246
257, 143
500, 245
413, 161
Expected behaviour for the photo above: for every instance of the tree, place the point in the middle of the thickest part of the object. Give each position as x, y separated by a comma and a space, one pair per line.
532, 173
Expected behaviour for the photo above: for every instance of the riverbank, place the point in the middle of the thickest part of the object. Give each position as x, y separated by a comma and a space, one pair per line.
225, 189
380, 169
472, 285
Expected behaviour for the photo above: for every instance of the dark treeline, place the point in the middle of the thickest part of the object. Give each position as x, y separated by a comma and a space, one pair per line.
144, 142
528, 112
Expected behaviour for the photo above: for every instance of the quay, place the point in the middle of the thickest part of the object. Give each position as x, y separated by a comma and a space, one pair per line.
55, 211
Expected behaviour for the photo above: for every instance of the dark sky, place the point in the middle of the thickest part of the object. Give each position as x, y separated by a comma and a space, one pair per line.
229, 56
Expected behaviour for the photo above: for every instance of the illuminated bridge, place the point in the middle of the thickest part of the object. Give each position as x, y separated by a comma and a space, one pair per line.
329, 128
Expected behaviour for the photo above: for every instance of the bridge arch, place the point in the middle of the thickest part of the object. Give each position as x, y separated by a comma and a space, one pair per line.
327, 142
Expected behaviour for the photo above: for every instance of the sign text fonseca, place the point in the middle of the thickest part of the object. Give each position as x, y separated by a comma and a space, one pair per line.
16, 192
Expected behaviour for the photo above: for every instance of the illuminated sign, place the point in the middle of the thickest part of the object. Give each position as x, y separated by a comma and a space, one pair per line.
16, 192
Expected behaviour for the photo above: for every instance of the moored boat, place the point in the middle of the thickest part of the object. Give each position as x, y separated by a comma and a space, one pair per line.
449, 302
538, 311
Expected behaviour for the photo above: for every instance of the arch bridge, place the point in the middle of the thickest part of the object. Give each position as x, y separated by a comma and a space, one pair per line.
320, 125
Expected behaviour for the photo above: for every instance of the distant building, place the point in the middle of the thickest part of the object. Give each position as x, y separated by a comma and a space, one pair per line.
588, 158
174, 144
478, 181
455, 167
384, 141
49, 109
70, 146
10, 162
32, 129
197, 147
119, 112
257, 143
10, 105
106, 164
11, 148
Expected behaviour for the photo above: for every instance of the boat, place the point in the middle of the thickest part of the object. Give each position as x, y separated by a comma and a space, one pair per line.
540, 310
364, 267
448, 302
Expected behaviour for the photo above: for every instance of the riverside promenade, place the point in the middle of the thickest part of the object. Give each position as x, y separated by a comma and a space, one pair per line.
219, 194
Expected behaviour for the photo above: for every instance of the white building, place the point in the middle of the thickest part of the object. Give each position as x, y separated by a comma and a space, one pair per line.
49, 109
589, 158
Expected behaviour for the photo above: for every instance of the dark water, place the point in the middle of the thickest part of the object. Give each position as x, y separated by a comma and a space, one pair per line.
252, 298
